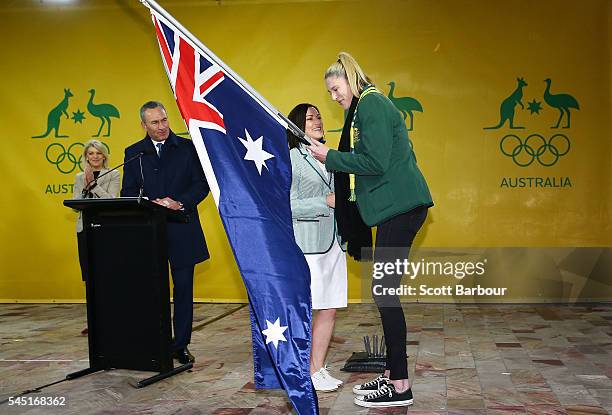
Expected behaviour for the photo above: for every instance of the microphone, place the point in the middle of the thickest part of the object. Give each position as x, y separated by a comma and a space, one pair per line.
87, 189
141, 190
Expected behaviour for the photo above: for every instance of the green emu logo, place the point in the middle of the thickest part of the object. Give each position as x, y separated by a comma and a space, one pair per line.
535, 147
103, 112
561, 102
405, 105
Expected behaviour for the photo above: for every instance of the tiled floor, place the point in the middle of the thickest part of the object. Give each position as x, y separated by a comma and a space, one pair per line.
489, 359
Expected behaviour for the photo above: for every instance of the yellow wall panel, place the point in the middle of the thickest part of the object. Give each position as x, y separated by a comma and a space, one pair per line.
458, 59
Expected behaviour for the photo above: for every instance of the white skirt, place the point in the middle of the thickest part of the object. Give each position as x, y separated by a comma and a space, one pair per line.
328, 278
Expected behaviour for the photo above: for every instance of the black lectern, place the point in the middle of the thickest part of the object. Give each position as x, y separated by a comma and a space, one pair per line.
128, 300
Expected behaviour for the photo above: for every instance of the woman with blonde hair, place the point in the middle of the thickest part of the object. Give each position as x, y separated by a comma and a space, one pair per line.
87, 185
389, 191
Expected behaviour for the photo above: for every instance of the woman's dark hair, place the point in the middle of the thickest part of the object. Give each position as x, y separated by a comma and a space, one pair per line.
298, 117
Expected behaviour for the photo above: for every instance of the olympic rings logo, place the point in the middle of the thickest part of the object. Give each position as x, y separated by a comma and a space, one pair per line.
66, 160
535, 147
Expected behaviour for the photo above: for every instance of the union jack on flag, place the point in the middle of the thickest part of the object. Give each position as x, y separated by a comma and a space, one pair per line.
242, 146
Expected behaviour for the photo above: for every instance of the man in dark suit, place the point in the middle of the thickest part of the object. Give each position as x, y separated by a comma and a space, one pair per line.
173, 178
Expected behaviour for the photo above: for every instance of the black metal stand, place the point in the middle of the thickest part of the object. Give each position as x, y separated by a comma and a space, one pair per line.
164, 375
140, 384
80, 373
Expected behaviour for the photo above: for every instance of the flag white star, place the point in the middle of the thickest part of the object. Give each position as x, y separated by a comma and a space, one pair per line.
274, 332
255, 151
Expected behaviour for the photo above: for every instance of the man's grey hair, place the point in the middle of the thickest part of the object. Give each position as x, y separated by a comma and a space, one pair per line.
149, 105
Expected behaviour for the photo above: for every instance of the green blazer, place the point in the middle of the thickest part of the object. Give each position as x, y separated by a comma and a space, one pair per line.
388, 181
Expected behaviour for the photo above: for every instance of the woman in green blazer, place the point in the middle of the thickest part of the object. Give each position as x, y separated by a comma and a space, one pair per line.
314, 226
391, 194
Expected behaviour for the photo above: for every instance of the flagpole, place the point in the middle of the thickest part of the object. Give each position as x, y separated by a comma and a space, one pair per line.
152, 4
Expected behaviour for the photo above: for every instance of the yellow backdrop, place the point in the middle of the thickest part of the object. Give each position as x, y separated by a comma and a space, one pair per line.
459, 65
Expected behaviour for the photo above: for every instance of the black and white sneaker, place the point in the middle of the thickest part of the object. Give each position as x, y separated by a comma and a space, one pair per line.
385, 397
371, 386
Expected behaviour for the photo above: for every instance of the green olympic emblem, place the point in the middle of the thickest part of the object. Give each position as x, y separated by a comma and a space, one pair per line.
66, 160
535, 147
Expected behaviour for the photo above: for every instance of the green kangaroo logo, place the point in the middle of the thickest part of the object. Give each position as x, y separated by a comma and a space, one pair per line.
103, 112
562, 102
405, 105
55, 116
506, 109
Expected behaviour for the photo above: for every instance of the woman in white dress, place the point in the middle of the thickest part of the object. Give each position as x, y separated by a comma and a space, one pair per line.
314, 225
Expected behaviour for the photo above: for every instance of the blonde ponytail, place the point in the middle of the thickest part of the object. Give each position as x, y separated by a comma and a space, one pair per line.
347, 67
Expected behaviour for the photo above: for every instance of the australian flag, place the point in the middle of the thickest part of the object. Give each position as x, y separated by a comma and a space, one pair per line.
242, 146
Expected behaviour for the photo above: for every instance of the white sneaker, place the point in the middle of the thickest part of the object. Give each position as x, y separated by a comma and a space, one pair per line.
321, 383
328, 375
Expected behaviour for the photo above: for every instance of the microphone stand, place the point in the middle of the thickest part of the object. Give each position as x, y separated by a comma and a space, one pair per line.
141, 190
87, 190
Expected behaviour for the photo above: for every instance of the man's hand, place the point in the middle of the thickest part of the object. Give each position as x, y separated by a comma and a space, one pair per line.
318, 150
169, 203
